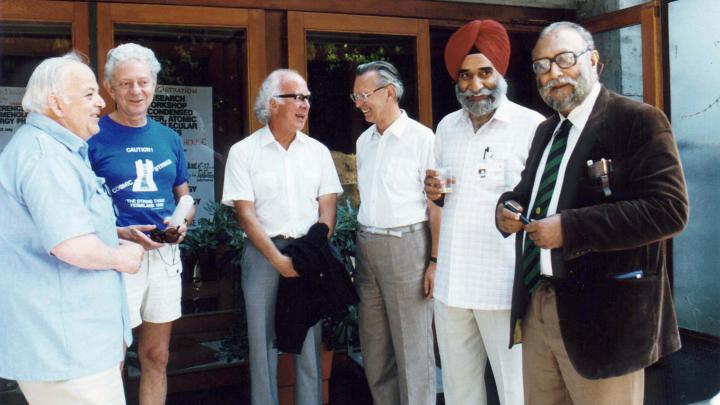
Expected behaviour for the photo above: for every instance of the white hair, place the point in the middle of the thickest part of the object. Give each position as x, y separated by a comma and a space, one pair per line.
567, 25
127, 52
387, 74
48, 79
269, 88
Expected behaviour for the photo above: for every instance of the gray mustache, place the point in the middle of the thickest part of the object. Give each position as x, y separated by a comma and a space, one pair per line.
555, 82
482, 92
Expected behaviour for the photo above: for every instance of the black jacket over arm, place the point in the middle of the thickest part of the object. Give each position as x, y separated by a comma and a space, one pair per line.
609, 326
323, 289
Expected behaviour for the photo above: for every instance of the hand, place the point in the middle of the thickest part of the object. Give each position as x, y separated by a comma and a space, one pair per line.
175, 234
546, 233
508, 221
432, 185
285, 267
429, 280
129, 257
136, 233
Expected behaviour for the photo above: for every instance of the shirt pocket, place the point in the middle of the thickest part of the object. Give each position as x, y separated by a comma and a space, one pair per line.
492, 174
401, 175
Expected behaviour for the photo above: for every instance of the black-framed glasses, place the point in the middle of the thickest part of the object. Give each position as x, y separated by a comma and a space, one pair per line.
362, 97
295, 96
564, 60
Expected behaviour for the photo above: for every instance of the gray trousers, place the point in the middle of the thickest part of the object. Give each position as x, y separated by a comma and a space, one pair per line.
260, 284
395, 318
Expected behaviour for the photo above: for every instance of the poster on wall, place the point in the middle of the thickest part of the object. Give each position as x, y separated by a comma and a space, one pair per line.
188, 110
12, 115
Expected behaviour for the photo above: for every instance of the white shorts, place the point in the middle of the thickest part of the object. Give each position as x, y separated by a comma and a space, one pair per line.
103, 388
154, 292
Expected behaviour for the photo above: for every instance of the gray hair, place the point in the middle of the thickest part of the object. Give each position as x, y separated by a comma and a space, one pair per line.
46, 80
560, 25
387, 73
127, 52
270, 87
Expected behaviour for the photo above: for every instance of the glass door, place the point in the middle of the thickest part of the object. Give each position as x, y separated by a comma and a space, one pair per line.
213, 61
629, 42
30, 31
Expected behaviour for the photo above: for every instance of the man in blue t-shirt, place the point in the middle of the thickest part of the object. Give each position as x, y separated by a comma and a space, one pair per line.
143, 164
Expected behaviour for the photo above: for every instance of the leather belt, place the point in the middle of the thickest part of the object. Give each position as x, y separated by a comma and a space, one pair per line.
396, 232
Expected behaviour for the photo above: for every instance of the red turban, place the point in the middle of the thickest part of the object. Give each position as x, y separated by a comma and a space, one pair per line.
484, 36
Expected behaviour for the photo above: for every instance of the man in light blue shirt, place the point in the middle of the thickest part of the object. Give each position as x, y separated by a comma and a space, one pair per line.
64, 316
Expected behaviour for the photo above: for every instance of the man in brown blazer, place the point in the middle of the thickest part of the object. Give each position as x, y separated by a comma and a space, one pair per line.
605, 190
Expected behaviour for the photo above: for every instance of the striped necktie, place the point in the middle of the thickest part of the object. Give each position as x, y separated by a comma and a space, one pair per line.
531, 253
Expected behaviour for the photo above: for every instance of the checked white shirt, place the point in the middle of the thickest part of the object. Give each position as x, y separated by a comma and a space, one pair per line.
475, 263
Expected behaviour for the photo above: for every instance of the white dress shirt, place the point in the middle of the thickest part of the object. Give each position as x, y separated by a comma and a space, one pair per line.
578, 117
475, 263
283, 184
391, 173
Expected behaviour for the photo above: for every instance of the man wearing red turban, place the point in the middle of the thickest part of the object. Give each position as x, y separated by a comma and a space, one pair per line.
485, 145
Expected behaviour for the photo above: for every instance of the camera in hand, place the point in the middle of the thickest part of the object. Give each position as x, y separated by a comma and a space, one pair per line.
167, 235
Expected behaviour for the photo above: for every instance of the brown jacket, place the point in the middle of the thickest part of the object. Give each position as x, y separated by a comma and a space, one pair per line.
611, 327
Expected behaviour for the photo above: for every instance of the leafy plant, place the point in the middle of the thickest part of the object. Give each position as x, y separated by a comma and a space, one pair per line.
343, 333
221, 232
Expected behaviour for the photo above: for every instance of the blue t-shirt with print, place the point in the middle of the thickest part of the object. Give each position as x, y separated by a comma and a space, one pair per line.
141, 166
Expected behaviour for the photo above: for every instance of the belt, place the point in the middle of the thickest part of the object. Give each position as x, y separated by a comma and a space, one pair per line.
397, 231
282, 237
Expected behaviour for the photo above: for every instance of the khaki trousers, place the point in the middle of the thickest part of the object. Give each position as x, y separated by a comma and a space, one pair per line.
549, 376
103, 388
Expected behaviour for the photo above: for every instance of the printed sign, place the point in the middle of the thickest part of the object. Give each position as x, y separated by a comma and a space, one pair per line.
188, 110
12, 115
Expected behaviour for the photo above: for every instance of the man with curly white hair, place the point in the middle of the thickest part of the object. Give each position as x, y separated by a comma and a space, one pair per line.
281, 182
145, 168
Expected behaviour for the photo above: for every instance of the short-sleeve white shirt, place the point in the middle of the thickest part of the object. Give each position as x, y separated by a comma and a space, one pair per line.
391, 173
283, 184
476, 264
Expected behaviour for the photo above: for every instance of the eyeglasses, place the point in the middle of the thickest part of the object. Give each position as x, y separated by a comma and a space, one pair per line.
363, 97
563, 60
295, 96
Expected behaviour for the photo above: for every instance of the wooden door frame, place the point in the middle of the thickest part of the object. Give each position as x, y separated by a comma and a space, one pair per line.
299, 23
649, 17
39, 11
253, 21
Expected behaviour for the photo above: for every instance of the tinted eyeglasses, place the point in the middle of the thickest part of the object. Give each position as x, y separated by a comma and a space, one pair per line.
563, 60
295, 96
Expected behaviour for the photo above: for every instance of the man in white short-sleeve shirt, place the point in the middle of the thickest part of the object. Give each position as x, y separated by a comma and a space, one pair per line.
394, 242
485, 144
281, 182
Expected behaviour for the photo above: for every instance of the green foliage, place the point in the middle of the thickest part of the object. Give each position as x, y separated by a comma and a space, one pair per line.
344, 332
221, 231
337, 54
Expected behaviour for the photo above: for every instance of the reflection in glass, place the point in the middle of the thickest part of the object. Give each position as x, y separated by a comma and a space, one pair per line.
694, 38
332, 59
202, 95
22, 47
588, 9
621, 54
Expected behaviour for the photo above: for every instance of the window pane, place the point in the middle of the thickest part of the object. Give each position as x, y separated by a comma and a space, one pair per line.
23, 46
695, 106
201, 95
592, 8
621, 55
332, 59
